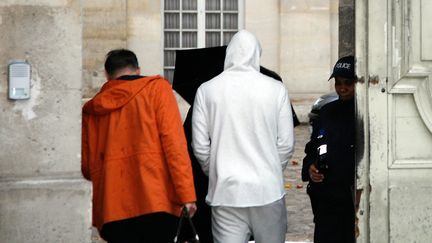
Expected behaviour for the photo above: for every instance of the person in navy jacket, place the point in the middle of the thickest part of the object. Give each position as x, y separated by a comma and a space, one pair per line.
332, 191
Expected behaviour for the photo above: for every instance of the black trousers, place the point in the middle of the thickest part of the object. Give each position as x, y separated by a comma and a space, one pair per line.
334, 215
151, 228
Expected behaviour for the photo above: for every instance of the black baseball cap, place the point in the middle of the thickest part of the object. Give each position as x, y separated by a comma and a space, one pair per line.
344, 67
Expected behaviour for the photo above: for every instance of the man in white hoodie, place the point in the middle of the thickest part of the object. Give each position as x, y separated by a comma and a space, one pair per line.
242, 135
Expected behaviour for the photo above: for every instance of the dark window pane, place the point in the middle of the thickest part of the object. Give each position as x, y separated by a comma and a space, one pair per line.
213, 39
172, 21
172, 4
227, 37
230, 4
213, 21
172, 39
169, 74
189, 21
230, 21
213, 5
189, 40
190, 5
169, 58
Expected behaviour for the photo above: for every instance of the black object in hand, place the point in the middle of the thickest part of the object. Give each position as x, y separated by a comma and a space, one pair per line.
322, 164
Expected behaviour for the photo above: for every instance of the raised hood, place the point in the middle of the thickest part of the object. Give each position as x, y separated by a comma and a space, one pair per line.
243, 52
114, 94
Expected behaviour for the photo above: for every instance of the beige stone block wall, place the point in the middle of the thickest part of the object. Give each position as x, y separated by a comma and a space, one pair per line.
104, 28
145, 34
43, 197
107, 25
308, 40
263, 20
300, 42
45, 211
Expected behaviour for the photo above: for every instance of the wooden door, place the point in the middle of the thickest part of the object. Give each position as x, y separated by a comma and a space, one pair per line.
394, 107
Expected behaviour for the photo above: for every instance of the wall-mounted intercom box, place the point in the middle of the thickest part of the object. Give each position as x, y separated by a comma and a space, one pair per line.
19, 80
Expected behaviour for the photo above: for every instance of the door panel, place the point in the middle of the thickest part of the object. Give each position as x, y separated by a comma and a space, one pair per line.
394, 51
409, 223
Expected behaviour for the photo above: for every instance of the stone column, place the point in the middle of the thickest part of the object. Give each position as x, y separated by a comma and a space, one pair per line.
43, 197
346, 28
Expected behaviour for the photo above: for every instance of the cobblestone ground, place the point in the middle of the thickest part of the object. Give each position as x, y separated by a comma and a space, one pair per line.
300, 218
300, 225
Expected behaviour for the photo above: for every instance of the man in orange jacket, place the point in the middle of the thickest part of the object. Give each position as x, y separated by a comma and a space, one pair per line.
135, 154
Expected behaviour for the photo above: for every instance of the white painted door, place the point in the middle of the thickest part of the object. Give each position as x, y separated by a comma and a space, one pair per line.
394, 98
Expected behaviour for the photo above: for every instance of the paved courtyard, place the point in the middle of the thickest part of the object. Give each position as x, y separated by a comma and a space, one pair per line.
300, 224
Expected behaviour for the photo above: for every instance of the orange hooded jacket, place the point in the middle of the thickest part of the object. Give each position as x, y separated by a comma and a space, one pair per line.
134, 151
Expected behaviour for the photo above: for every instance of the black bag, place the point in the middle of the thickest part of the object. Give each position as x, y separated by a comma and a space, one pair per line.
186, 234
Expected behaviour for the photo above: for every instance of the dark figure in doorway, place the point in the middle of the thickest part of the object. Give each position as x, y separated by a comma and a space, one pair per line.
331, 187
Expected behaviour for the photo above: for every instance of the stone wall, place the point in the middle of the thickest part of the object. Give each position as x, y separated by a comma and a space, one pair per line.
145, 34
308, 49
263, 19
43, 197
107, 25
104, 29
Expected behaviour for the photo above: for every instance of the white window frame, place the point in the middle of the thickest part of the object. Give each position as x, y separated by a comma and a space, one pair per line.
201, 26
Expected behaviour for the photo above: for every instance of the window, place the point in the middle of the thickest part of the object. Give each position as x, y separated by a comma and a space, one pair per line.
197, 24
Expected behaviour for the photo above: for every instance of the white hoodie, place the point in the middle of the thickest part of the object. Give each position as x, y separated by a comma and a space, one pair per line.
242, 129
